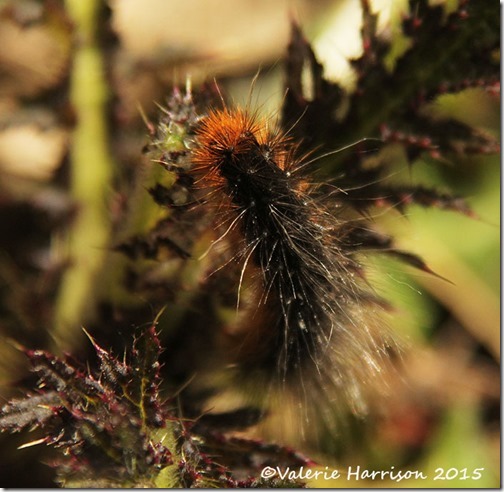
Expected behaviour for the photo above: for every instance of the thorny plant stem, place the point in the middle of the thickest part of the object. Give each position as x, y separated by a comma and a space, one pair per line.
91, 168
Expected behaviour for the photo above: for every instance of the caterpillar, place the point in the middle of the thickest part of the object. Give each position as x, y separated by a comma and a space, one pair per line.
309, 327
285, 252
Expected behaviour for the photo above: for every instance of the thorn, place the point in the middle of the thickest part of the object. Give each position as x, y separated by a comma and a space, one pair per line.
33, 443
150, 126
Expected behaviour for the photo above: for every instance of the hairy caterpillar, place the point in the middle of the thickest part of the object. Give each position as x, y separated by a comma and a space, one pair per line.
281, 313
309, 327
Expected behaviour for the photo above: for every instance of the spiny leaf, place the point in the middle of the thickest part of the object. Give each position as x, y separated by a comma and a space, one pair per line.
32, 411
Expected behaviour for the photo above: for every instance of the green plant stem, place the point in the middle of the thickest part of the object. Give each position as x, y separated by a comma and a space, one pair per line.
91, 167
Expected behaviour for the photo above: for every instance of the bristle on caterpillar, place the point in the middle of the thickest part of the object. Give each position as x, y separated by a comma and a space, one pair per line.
310, 323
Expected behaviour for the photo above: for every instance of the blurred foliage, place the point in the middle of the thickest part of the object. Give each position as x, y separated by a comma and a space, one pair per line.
423, 80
